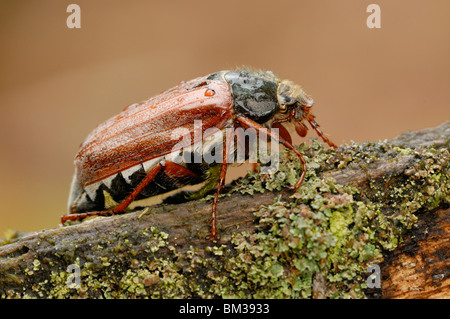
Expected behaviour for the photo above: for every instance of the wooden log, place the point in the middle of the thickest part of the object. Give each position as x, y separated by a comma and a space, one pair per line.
420, 267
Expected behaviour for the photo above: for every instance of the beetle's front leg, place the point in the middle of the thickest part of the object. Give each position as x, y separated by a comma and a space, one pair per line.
249, 123
223, 173
319, 132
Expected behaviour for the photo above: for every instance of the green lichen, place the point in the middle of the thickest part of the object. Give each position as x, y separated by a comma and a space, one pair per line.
329, 228
323, 230
118, 277
324, 234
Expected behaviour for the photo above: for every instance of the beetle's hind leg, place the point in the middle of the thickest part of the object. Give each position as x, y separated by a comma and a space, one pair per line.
223, 173
249, 123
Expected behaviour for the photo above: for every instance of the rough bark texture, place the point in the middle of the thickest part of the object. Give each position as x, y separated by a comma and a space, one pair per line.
384, 204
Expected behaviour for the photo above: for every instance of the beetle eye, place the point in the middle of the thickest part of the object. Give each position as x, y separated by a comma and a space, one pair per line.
283, 108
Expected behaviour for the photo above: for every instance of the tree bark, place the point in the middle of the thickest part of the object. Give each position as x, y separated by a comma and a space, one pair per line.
387, 201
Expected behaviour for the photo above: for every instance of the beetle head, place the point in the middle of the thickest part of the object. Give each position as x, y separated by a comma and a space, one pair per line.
295, 106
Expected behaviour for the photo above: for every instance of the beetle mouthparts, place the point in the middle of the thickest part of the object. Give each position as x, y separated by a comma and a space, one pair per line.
300, 128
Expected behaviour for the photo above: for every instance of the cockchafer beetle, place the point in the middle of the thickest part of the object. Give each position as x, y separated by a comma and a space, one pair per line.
130, 155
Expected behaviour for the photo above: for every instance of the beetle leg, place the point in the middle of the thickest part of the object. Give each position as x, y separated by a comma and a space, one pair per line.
319, 132
80, 216
130, 198
249, 123
223, 173
179, 173
242, 145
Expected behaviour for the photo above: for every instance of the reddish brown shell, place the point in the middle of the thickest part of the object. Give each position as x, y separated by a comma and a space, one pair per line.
143, 131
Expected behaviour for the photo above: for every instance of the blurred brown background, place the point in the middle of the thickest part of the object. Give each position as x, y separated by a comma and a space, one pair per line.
58, 83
